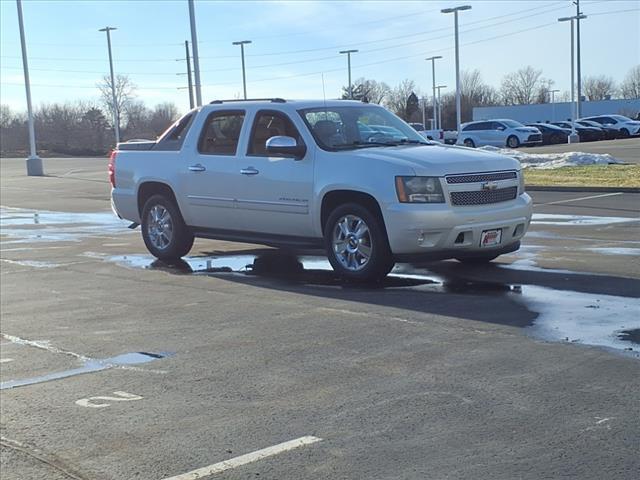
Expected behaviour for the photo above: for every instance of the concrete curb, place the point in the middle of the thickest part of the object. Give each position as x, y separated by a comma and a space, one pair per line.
546, 188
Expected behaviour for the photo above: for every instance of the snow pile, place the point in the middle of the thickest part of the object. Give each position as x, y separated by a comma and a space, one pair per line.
554, 160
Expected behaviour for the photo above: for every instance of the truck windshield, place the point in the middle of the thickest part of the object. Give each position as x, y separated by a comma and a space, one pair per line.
350, 127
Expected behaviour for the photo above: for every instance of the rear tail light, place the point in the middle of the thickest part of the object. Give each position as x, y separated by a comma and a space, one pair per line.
112, 168
441, 135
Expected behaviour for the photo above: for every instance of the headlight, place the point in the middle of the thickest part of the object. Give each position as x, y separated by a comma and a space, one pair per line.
419, 190
521, 180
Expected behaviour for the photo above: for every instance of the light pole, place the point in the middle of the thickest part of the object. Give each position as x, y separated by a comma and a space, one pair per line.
574, 137
196, 58
242, 43
553, 104
438, 87
349, 52
34, 162
578, 17
189, 80
116, 113
433, 78
455, 13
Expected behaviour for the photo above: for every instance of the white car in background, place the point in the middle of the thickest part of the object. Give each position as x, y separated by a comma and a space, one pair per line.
498, 133
625, 126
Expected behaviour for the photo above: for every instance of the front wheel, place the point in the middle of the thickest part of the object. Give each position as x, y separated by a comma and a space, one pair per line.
513, 142
356, 243
163, 230
624, 133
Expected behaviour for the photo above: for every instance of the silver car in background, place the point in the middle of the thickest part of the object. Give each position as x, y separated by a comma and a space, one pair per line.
498, 133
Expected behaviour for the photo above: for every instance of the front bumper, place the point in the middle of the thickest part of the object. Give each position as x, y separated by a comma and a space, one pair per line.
443, 231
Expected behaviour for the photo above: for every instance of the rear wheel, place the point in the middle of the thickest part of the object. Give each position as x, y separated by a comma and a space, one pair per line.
513, 142
469, 143
558, 139
163, 230
356, 243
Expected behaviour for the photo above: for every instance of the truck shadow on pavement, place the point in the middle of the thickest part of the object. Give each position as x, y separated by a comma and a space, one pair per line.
492, 293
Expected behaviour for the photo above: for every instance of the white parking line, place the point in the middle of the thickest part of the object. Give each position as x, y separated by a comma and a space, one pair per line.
583, 198
246, 458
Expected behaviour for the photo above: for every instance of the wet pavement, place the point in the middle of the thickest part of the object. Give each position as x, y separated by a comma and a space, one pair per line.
525, 368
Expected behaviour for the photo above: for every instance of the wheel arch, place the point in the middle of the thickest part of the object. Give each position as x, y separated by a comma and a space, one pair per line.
149, 188
334, 198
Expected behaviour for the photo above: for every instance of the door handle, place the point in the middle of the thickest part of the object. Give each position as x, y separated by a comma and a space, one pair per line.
249, 171
197, 168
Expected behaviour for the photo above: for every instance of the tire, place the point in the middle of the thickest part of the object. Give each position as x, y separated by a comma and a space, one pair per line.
163, 229
366, 255
478, 260
469, 143
624, 133
513, 141
557, 139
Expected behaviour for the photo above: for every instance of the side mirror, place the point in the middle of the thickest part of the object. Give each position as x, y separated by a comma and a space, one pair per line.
501, 128
287, 146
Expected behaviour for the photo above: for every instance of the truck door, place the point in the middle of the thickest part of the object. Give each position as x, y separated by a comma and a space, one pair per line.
211, 178
274, 192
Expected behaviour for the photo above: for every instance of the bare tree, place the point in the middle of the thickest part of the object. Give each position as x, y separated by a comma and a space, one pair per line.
474, 93
367, 89
522, 87
125, 93
598, 87
163, 115
631, 85
397, 98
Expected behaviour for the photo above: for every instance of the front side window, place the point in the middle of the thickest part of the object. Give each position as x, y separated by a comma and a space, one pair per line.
221, 133
362, 126
270, 124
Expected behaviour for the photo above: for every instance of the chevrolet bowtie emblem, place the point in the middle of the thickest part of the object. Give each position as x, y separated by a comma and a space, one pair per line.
489, 186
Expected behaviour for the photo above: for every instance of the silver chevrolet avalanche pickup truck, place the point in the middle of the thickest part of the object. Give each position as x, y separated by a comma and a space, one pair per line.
345, 176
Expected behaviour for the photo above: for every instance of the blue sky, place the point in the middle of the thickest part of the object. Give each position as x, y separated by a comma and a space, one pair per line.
296, 43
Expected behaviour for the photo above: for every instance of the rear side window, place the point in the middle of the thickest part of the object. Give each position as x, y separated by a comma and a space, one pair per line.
473, 126
174, 137
270, 124
221, 133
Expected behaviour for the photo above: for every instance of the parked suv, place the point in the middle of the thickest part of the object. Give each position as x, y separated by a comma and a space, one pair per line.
625, 126
499, 133
310, 174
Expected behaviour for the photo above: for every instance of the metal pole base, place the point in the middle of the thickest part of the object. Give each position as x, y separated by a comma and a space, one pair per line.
574, 138
34, 166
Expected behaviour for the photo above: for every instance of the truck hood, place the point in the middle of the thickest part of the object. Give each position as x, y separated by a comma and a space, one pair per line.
439, 160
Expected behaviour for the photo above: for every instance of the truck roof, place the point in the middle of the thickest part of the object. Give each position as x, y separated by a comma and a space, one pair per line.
290, 104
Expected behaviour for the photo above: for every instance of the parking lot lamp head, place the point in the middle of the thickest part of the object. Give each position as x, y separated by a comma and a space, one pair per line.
455, 11
348, 53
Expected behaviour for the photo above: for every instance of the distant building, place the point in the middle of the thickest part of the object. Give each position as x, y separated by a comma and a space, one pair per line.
555, 112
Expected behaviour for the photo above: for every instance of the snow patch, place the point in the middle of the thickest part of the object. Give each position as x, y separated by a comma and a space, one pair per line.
554, 160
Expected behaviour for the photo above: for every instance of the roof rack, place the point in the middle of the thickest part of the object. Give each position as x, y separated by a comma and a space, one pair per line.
272, 100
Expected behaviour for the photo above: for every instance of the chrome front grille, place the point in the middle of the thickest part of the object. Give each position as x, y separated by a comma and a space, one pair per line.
480, 177
484, 197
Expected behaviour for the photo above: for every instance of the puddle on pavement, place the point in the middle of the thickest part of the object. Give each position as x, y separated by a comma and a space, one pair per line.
19, 225
564, 315
90, 366
558, 219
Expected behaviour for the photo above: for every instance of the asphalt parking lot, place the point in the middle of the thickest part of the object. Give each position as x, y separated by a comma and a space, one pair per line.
244, 362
